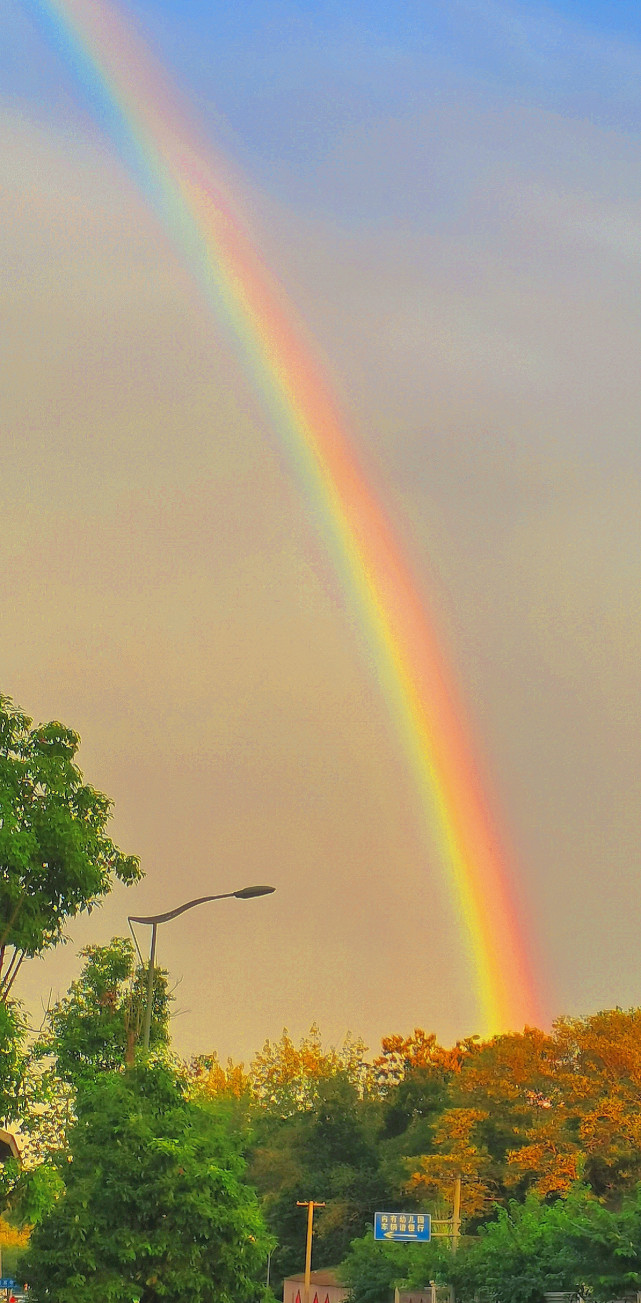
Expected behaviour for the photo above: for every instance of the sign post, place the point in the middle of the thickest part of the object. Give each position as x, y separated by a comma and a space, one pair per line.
410, 1227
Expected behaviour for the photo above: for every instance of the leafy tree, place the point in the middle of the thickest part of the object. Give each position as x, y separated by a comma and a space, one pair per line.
516, 1259
34, 1193
285, 1078
373, 1269
326, 1152
598, 1070
524, 1114
459, 1153
413, 1077
604, 1246
214, 1081
154, 1204
56, 859
402, 1057
94, 1028
575, 1244
12, 1060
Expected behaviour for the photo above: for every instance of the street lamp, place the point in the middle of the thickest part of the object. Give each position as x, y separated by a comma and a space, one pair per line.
245, 893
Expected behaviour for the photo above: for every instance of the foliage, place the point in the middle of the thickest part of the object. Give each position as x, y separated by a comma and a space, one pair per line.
311, 1133
520, 1119
154, 1204
404, 1056
574, 1244
12, 1237
94, 1027
524, 1113
56, 859
327, 1153
373, 1269
459, 1152
213, 1081
286, 1078
12, 1060
33, 1194
90, 1031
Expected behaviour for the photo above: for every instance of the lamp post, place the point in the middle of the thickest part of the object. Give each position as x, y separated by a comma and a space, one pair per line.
245, 893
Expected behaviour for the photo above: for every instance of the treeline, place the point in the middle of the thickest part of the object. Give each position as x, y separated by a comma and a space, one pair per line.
524, 1120
144, 1178
542, 1130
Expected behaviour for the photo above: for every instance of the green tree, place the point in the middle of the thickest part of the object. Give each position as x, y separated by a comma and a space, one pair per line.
601, 1247
94, 1028
12, 1059
56, 859
574, 1244
327, 1152
154, 1203
516, 1259
373, 1269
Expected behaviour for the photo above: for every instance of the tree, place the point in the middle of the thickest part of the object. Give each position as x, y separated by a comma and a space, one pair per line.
326, 1152
574, 1244
598, 1068
285, 1077
12, 1040
459, 1153
56, 859
154, 1204
311, 1127
94, 1028
373, 1269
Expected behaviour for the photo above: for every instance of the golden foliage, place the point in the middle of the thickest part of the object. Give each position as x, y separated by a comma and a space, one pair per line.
403, 1055
11, 1238
286, 1073
458, 1153
214, 1081
551, 1161
524, 1111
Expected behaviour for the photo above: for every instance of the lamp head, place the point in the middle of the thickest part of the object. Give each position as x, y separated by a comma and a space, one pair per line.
246, 893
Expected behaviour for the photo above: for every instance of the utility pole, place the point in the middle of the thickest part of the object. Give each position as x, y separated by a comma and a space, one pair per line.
310, 1206
456, 1214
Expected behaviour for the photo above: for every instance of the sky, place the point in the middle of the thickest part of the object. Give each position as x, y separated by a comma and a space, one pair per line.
450, 195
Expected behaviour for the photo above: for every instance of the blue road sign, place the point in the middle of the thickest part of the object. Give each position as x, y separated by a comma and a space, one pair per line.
403, 1226
7, 1283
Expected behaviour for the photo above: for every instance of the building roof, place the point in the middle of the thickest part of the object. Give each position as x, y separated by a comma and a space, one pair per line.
9, 1147
326, 1277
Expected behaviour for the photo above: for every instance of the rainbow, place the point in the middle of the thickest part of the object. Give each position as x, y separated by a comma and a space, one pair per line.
129, 95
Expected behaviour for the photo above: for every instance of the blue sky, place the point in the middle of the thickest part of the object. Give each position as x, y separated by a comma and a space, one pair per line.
279, 81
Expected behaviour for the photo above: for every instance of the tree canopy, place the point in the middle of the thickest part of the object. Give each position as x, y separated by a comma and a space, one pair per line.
154, 1205
96, 1025
56, 857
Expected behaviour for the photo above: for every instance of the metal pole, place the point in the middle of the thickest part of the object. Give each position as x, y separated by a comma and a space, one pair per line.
245, 893
150, 989
456, 1214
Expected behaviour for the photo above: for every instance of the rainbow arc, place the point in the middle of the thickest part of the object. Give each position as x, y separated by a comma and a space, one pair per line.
162, 151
